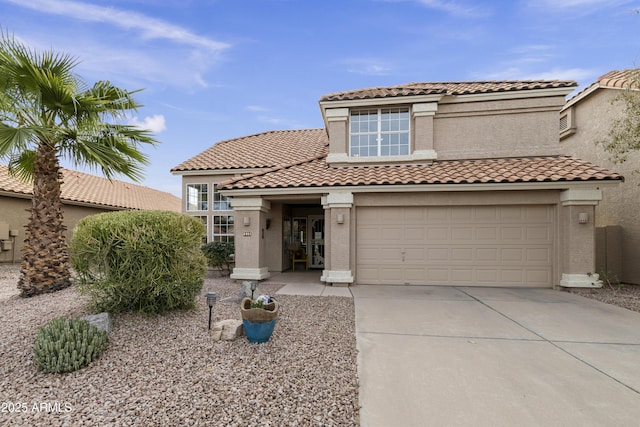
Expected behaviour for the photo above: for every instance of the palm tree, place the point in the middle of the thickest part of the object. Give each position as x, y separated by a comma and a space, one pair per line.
46, 113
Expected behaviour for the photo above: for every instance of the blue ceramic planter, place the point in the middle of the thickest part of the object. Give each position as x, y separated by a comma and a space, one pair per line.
258, 332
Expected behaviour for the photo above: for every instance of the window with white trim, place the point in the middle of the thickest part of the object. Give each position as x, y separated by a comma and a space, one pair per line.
220, 202
379, 132
223, 228
205, 221
197, 197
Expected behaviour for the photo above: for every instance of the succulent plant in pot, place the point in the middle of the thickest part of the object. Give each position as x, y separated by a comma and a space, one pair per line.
259, 317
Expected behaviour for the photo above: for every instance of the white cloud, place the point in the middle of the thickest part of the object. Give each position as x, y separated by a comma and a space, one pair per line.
367, 66
150, 28
155, 123
157, 53
565, 4
455, 8
516, 73
256, 108
451, 7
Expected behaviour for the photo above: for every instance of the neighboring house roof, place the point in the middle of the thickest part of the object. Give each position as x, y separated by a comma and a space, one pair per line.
82, 188
616, 79
262, 150
446, 88
316, 173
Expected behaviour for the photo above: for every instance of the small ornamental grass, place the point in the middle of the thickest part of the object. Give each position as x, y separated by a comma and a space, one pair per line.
67, 345
139, 261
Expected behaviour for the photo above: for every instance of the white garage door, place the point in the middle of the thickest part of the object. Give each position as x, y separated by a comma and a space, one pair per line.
455, 245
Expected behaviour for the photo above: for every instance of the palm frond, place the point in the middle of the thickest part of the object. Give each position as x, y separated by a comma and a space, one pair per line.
15, 139
22, 166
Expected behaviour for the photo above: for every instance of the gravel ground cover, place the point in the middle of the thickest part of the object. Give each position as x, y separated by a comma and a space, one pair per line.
626, 296
165, 370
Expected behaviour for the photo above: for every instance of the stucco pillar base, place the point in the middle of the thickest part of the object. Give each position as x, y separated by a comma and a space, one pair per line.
337, 277
580, 281
250, 273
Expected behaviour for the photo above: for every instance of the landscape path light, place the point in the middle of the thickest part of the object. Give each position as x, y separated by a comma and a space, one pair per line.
211, 300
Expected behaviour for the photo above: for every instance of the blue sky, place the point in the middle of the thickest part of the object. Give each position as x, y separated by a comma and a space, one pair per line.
218, 69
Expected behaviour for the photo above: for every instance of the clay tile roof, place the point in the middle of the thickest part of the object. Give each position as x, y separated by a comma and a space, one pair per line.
620, 79
316, 173
446, 88
260, 150
90, 189
616, 79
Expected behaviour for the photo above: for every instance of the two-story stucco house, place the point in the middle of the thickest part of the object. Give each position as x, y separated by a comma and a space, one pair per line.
586, 121
460, 183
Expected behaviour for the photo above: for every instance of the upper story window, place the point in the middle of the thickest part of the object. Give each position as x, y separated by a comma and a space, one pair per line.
220, 202
379, 132
197, 197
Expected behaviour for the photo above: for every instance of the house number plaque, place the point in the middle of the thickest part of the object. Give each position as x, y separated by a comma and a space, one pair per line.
246, 234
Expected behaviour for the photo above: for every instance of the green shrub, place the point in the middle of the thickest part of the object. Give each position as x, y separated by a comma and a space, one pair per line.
219, 254
143, 261
67, 345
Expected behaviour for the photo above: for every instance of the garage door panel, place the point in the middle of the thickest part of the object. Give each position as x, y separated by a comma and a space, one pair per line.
458, 245
514, 276
462, 234
540, 233
437, 215
391, 275
391, 233
462, 254
486, 276
437, 276
542, 255
438, 234
414, 233
484, 233
485, 214
437, 254
511, 233
538, 213
414, 216
414, 275
391, 254
512, 254
461, 275
511, 213
415, 255
368, 233
486, 254
461, 215
538, 277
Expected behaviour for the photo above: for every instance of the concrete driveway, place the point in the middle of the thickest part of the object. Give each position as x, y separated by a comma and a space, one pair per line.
458, 356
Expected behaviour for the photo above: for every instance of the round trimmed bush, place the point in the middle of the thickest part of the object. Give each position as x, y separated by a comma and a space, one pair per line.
142, 261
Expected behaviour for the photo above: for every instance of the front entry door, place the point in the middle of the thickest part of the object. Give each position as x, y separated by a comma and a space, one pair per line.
316, 241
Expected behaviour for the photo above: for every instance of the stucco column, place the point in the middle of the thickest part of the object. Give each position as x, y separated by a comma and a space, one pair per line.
338, 208
579, 237
423, 129
250, 223
337, 122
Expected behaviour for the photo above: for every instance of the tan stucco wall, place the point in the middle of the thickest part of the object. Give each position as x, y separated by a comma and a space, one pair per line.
479, 129
14, 212
526, 127
621, 205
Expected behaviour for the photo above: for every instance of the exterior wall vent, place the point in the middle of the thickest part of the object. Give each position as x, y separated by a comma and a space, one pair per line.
567, 123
